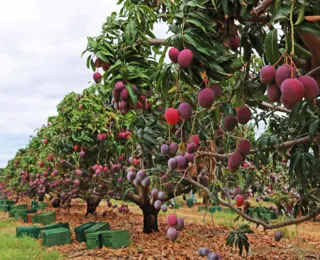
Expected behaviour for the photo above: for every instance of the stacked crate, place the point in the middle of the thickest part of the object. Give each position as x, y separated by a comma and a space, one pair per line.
46, 218
32, 231
80, 236
55, 237
190, 203
115, 238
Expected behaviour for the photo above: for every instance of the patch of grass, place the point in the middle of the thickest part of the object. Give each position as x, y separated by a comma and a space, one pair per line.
24, 248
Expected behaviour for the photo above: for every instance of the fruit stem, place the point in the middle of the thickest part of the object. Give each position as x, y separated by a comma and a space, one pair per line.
281, 57
292, 29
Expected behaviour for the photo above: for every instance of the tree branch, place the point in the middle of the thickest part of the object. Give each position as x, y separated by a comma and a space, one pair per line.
133, 197
286, 144
313, 71
256, 19
156, 42
254, 220
275, 108
260, 9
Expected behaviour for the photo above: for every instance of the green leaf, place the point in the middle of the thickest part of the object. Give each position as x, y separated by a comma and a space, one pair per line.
132, 95
88, 61
308, 27
301, 13
196, 4
271, 46
214, 4
196, 23
236, 64
92, 43
237, 101
282, 14
225, 7
313, 127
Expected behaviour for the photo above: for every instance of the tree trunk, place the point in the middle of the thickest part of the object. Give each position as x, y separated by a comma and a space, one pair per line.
92, 204
150, 219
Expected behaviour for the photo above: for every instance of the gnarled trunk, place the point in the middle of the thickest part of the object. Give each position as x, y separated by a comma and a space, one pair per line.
92, 204
150, 218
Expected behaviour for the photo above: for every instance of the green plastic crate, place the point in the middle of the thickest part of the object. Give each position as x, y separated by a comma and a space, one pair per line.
7, 202
32, 231
20, 213
34, 204
56, 225
80, 231
93, 240
28, 211
218, 208
42, 205
34, 218
100, 226
19, 206
190, 203
212, 209
11, 213
55, 237
47, 218
5, 208
115, 238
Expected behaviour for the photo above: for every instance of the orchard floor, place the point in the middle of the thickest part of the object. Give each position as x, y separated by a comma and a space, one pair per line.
301, 244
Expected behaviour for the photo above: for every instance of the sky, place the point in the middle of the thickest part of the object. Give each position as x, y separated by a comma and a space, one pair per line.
40, 48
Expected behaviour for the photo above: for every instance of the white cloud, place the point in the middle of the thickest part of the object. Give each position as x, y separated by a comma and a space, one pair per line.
40, 48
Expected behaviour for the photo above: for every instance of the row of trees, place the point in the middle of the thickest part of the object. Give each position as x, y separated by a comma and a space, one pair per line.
187, 125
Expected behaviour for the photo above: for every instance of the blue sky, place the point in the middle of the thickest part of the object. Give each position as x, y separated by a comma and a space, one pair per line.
40, 48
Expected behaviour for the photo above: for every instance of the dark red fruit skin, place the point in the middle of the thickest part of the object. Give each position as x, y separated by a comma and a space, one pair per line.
244, 115
285, 103
236, 159
277, 236
292, 91
97, 77
185, 58
98, 63
185, 111
311, 88
243, 147
234, 43
283, 72
173, 55
230, 123
195, 139
217, 90
206, 97
273, 92
218, 132
105, 66
267, 74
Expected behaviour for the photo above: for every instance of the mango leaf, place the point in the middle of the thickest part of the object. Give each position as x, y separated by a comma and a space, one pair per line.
236, 101
195, 4
307, 27
236, 64
196, 23
92, 43
301, 13
271, 46
132, 95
